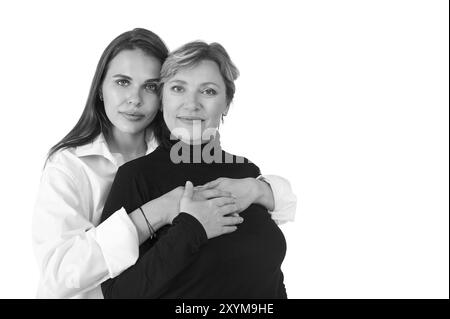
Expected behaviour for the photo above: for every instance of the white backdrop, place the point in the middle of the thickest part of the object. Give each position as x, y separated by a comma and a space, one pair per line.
346, 99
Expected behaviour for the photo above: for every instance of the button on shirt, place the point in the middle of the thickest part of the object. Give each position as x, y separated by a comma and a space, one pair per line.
75, 253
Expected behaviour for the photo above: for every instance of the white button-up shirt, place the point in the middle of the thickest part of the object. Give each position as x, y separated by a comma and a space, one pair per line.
75, 253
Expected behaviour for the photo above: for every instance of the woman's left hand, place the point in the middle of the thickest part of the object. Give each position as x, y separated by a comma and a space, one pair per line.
245, 190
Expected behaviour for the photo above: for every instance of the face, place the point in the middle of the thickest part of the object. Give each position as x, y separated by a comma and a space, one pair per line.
129, 91
194, 100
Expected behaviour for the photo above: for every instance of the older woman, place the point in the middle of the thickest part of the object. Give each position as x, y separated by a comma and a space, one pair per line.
187, 259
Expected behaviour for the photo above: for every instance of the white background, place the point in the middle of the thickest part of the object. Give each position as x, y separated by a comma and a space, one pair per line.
346, 99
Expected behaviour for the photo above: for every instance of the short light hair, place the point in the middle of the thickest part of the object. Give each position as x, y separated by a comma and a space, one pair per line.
192, 53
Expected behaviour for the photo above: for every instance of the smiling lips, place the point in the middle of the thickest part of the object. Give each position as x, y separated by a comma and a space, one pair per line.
189, 119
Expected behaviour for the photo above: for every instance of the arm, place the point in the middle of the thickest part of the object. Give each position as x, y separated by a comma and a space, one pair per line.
285, 201
270, 191
162, 210
264, 194
159, 212
73, 255
153, 272
167, 256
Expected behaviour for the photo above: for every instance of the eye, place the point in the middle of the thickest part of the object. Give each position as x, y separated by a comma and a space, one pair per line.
177, 89
209, 91
123, 82
151, 87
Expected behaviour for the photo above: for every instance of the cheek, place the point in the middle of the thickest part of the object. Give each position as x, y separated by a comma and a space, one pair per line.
110, 107
151, 104
216, 110
169, 101
169, 106
112, 99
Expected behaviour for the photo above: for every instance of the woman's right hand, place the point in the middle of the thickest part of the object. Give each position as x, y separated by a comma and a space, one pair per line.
211, 213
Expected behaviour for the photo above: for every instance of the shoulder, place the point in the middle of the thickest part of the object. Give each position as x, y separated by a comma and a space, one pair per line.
140, 167
65, 161
65, 175
243, 162
140, 162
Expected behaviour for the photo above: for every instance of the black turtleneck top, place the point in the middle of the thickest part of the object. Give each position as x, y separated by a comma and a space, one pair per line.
181, 262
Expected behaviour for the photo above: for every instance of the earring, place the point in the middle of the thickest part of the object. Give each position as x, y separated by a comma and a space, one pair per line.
100, 95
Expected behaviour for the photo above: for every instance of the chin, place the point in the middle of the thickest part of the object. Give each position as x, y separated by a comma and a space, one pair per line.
128, 129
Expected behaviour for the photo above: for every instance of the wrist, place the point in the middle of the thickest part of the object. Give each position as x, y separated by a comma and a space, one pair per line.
258, 191
155, 212
264, 195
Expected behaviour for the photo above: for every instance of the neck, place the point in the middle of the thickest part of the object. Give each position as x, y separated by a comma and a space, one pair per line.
206, 152
207, 136
127, 144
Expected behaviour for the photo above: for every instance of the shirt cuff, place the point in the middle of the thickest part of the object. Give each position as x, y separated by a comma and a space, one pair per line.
284, 199
117, 236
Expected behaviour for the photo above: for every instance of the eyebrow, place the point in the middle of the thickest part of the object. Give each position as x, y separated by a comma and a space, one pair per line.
184, 82
178, 81
129, 78
213, 83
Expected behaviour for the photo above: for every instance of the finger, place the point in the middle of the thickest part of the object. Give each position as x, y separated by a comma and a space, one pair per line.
212, 184
188, 190
213, 193
231, 221
228, 229
220, 201
228, 209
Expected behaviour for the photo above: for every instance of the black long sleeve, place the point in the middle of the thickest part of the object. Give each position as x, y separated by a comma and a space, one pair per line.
155, 269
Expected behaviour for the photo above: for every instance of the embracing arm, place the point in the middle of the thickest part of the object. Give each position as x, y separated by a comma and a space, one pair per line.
284, 199
73, 255
270, 191
158, 212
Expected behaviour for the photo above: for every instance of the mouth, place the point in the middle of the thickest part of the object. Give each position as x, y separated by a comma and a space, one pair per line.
190, 119
132, 116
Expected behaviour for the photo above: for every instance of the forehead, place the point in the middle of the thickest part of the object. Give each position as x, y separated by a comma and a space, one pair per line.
202, 72
134, 63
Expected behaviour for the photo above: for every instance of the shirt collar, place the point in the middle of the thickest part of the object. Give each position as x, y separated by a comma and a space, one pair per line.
99, 147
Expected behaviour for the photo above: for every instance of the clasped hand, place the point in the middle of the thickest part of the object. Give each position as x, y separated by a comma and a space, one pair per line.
244, 190
216, 205
216, 210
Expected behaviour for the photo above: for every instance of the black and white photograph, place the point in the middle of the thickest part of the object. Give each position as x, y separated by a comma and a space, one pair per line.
225, 150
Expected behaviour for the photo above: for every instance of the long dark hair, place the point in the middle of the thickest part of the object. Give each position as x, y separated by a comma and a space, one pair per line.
93, 120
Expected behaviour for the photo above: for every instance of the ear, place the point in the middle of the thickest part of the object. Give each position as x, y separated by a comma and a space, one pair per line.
226, 110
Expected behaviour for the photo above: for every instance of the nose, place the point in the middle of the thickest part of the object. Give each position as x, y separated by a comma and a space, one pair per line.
135, 98
192, 102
